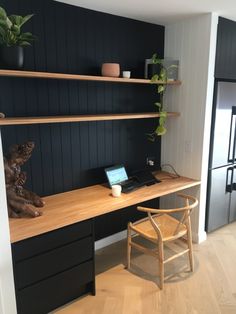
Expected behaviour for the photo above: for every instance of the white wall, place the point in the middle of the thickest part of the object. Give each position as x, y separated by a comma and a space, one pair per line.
186, 144
7, 291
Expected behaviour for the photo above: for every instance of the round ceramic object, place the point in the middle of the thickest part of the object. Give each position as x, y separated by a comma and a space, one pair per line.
126, 74
111, 69
116, 190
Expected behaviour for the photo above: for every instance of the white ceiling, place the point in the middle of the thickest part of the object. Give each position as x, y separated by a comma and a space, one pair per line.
159, 12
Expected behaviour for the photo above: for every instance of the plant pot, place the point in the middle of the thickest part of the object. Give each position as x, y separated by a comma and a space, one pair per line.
111, 69
153, 69
12, 57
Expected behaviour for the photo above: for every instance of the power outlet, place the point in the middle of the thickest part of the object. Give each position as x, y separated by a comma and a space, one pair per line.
188, 146
150, 161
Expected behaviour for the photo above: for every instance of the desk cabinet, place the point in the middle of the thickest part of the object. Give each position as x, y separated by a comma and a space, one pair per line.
54, 268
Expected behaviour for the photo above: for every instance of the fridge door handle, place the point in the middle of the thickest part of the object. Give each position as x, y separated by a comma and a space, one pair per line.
232, 137
234, 183
229, 180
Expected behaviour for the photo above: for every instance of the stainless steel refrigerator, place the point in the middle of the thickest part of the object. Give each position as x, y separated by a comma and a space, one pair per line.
221, 194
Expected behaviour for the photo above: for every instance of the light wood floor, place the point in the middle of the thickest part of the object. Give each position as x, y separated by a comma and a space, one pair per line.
211, 289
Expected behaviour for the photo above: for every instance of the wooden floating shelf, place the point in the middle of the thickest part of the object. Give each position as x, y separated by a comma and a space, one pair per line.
81, 118
63, 76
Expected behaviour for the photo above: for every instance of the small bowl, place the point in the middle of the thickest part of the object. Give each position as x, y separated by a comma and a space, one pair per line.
111, 69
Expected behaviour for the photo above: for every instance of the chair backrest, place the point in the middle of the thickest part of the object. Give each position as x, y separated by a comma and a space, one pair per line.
184, 219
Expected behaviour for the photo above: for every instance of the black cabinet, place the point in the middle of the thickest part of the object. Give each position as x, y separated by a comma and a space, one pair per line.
225, 67
54, 268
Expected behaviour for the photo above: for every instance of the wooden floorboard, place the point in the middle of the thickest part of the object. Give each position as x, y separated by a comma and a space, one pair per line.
210, 289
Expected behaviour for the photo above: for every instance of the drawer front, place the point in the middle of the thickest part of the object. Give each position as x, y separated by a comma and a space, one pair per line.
51, 240
49, 294
42, 266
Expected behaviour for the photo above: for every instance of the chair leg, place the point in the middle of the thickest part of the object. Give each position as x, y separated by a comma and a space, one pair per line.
190, 246
128, 246
161, 264
190, 254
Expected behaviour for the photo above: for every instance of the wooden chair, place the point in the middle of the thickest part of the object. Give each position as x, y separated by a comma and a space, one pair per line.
159, 227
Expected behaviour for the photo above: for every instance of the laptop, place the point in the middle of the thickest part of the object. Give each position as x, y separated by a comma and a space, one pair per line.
118, 175
145, 177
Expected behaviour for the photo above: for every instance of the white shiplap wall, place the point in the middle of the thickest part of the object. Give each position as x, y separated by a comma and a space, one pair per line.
186, 144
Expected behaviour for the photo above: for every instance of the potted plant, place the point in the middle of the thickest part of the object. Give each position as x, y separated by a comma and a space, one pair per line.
161, 88
12, 40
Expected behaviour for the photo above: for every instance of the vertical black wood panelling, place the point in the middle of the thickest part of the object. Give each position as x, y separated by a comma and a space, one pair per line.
76, 40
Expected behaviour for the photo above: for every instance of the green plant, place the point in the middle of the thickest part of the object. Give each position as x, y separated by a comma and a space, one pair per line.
161, 88
10, 30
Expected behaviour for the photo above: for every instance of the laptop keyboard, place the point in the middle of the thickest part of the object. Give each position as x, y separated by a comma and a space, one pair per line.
127, 183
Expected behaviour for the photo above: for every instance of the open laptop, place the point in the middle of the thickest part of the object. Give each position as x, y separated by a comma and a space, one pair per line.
118, 175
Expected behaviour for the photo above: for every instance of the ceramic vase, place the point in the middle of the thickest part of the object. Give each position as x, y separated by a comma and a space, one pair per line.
111, 69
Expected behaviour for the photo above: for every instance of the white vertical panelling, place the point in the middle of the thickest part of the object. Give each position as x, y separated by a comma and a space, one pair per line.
186, 144
208, 112
7, 291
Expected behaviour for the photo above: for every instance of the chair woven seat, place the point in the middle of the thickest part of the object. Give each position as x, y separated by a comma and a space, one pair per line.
169, 226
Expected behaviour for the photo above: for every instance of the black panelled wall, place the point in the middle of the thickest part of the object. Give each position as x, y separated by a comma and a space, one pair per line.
77, 40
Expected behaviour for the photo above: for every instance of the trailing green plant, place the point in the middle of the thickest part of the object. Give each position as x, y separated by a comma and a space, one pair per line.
10, 30
161, 88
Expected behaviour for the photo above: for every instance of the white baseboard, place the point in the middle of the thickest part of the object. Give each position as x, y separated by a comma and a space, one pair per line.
111, 239
199, 238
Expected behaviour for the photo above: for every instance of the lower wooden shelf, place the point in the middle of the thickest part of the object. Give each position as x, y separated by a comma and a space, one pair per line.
81, 118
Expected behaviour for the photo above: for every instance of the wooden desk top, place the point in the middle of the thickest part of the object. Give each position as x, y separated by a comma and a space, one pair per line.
70, 207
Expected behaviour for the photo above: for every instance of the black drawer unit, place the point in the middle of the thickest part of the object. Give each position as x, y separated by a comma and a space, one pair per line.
55, 291
54, 268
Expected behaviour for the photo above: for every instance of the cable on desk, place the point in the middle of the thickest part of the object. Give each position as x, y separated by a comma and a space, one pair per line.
176, 175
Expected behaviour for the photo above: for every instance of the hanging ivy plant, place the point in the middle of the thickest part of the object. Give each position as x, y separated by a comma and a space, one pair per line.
161, 88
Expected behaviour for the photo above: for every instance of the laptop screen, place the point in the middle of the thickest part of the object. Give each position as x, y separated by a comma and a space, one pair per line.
116, 174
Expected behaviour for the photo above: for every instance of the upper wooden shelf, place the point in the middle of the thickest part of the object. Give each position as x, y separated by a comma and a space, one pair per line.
81, 118
63, 76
